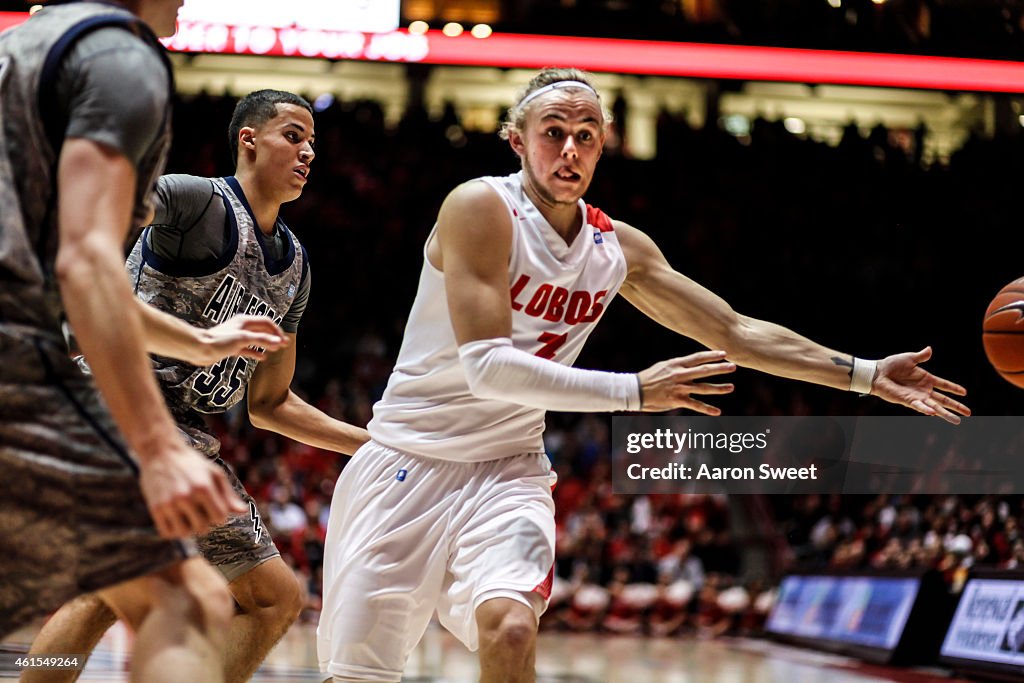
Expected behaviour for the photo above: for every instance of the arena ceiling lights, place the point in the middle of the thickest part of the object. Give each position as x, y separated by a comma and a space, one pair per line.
688, 60
378, 16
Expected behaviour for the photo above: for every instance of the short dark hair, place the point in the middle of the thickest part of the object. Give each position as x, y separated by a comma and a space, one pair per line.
257, 108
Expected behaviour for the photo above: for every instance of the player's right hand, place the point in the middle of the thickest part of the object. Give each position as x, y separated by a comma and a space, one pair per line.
670, 384
249, 336
185, 492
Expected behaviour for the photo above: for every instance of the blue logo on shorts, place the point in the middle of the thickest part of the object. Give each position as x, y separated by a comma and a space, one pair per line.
401, 474
597, 238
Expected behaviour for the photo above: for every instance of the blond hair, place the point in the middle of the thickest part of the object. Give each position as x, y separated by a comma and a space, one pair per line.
515, 119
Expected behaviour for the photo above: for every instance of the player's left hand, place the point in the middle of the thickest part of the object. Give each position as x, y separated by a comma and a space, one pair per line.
901, 379
249, 336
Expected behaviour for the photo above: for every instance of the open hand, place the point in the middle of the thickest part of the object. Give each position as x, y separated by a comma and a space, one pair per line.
901, 379
249, 336
185, 492
671, 383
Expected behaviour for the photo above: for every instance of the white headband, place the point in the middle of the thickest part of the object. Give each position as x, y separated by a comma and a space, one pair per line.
556, 86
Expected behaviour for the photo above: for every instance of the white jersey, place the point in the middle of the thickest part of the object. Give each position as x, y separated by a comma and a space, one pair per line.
558, 293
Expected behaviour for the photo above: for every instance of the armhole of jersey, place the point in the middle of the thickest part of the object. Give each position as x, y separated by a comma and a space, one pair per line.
426, 247
49, 112
51, 118
172, 269
513, 214
286, 261
232, 226
46, 92
494, 184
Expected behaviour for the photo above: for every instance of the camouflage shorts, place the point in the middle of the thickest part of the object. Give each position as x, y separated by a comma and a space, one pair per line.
243, 542
72, 517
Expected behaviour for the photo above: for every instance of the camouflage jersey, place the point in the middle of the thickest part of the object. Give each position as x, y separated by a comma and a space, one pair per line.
245, 280
32, 128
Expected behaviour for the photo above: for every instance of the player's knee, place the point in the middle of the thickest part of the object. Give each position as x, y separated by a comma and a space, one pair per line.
275, 595
512, 631
290, 599
515, 636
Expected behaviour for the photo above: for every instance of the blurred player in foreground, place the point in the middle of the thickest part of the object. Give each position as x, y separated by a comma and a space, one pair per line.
217, 245
83, 135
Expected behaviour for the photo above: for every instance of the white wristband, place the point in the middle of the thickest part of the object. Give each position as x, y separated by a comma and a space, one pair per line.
863, 375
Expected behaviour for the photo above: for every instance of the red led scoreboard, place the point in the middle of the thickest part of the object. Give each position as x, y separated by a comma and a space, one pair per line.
657, 58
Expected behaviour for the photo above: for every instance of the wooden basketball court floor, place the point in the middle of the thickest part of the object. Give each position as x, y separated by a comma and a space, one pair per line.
561, 658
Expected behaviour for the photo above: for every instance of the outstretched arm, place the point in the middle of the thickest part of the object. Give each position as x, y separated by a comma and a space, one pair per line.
274, 406
473, 247
682, 305
243, 335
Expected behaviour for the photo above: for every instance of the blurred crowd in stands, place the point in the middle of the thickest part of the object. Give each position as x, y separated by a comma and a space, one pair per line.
859, 246
947, 533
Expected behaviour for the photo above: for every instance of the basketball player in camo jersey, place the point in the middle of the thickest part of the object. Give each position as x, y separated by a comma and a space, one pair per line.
449, 506
217, 246
97, 492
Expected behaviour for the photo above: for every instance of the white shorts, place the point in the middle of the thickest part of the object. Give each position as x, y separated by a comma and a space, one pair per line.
408, 535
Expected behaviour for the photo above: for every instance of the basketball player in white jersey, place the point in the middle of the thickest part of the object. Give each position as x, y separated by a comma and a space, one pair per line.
449, 506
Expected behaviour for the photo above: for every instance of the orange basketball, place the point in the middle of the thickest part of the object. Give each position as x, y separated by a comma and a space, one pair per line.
1003, 332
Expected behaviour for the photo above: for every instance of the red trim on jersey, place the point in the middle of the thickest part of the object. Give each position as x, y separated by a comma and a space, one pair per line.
599, 219
544, 587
